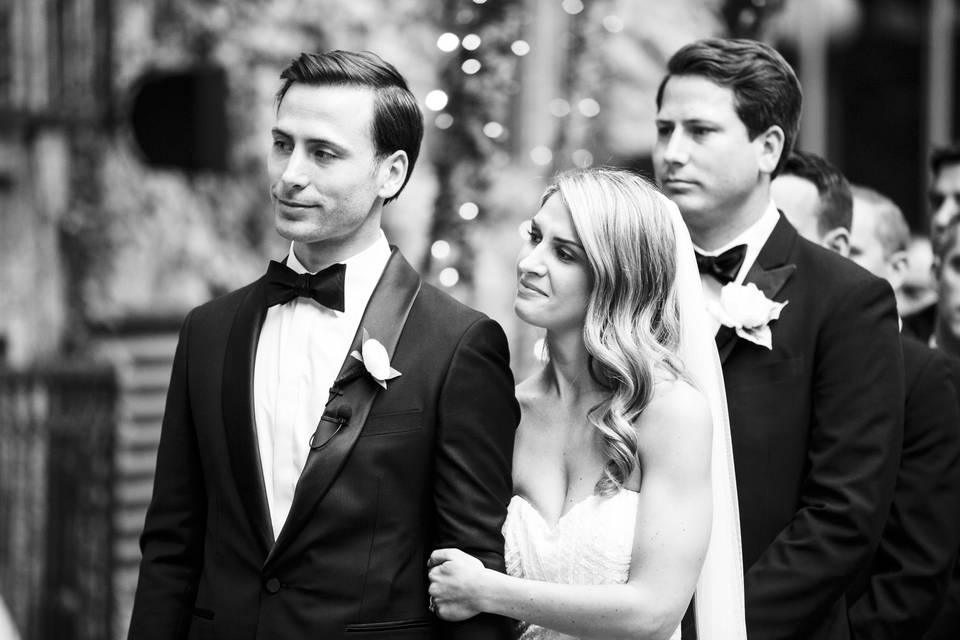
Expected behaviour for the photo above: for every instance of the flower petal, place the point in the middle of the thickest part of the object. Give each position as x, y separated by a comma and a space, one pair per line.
376, 360
757, 335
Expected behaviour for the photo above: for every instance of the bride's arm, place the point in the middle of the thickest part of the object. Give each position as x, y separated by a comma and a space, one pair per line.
672, 532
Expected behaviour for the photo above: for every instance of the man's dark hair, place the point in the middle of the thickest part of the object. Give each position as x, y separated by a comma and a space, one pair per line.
397, 119
944, 155
836, 199
766, 90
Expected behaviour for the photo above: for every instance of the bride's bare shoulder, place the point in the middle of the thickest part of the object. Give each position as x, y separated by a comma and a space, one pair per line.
680, 405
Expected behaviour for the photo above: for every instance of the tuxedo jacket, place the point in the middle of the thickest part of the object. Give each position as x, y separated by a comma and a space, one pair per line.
920, 324
946, 624
906, 582
424, 463
817, 427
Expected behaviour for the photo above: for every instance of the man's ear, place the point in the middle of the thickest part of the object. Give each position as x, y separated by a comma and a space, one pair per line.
838, 240
391, 172
770, 147
897, 267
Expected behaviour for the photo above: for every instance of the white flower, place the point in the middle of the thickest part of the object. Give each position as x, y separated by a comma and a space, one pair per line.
374, 357
745, 309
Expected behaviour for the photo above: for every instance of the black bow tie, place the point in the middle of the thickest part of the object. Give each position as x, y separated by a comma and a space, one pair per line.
725, 266
326, 287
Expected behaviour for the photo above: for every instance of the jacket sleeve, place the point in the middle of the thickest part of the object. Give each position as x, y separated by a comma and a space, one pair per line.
909, 574
477, 419
172, 539
856, 429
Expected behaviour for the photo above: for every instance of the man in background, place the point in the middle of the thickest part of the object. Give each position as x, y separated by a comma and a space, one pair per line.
900, 592
815, 197
944, 201
906, 583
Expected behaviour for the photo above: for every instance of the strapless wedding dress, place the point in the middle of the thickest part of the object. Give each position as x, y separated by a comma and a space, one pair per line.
590, 544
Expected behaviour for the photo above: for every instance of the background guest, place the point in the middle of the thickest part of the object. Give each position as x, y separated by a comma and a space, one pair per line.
946, 248
815, 198
906, 582
944, 199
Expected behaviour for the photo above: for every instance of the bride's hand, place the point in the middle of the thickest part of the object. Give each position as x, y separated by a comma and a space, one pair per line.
455, 584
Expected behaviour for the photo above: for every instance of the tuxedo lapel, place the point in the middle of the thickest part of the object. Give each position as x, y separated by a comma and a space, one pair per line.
238, 410
383, 320
770, 272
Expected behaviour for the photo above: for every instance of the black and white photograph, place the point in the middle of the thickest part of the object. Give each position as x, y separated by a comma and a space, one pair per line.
480, 319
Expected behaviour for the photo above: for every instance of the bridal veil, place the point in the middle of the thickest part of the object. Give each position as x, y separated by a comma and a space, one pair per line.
719, 602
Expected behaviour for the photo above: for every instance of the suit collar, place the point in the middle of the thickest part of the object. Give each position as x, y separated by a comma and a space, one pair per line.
770, 272
383, 319
238, 410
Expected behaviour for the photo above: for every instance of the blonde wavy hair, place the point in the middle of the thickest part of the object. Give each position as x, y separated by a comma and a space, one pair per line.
632, 325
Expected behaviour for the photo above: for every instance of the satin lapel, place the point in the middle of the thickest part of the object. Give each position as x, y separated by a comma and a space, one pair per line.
238, 411
770, 272
383, 320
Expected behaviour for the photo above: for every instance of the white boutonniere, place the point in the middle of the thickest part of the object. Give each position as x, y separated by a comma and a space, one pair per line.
747, 311
375, 360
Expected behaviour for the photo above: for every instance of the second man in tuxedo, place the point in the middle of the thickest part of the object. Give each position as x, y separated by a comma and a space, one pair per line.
809, 341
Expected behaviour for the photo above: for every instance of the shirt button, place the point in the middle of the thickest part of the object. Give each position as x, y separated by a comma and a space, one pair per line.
272, 585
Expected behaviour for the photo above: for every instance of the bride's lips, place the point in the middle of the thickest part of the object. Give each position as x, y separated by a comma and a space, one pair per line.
527, 288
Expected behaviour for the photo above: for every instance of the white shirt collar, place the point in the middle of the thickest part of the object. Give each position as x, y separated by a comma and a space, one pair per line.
755, 236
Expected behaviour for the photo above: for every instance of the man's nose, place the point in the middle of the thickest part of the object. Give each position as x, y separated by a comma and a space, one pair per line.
674, 148
294, 174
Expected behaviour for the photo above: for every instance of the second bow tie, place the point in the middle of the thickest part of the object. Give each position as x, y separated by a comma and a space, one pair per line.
725, 266
326, 287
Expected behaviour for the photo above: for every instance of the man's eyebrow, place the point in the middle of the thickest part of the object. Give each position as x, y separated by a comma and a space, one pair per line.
310, 141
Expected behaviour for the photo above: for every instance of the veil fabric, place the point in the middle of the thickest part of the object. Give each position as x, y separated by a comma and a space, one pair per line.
719, 602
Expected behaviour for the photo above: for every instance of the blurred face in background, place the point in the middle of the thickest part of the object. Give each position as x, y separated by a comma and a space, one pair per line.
948, 279
867, 250
803, 206
944, 198
919, 288
553, 275
799, 200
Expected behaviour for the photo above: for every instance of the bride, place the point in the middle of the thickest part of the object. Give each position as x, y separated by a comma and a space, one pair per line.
625, 498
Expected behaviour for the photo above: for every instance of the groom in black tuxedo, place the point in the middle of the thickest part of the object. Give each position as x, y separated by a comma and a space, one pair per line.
324, 433
808, 340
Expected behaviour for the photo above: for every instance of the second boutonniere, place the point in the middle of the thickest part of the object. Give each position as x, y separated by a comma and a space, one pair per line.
747, 311
375, 360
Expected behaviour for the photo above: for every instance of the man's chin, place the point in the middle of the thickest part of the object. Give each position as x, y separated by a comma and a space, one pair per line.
297, 231
691, 208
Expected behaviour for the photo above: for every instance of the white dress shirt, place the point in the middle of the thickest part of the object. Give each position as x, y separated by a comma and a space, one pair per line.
301, 349
754, 237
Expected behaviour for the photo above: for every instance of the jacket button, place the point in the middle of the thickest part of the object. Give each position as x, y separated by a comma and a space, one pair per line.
272, 585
